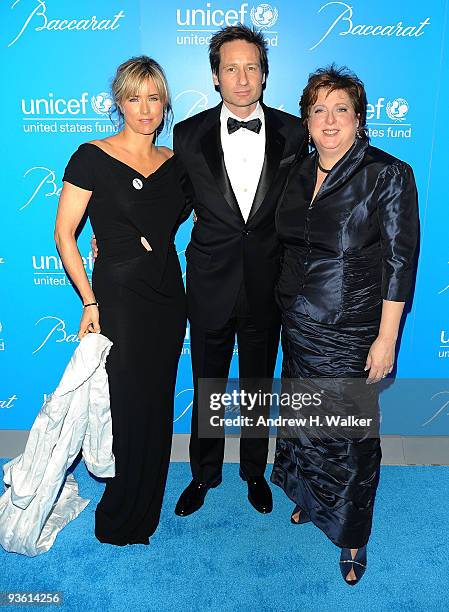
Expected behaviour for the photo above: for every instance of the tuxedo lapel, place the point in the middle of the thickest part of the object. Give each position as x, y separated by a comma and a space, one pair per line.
213, 154
274, 147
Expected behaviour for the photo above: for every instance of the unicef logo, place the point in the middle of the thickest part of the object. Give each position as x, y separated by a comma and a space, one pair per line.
397, 109
264, 15
101, 103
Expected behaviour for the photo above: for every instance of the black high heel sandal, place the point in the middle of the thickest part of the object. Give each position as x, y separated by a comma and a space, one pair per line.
358, 564
303, 516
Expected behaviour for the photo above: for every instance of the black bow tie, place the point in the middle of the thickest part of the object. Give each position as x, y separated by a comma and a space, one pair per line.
234, 124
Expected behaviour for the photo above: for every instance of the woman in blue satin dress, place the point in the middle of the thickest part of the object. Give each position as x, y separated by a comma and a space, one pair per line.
349, 225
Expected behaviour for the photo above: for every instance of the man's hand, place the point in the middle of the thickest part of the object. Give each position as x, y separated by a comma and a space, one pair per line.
93, 246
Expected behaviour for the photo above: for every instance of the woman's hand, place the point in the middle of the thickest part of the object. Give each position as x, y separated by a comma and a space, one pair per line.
380, 359
90, 321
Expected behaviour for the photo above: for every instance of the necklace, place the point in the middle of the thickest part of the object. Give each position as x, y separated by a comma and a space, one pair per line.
321, 167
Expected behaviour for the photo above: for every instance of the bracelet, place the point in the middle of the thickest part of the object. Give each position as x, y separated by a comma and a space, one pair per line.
91, 304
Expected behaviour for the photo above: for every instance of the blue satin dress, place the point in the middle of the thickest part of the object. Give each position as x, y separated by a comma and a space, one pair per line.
354, 246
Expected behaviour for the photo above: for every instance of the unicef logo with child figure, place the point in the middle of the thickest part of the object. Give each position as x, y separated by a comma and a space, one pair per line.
101, 103
264, 15
397, 109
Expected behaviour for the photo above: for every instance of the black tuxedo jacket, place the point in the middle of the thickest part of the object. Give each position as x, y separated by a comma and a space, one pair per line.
224, 251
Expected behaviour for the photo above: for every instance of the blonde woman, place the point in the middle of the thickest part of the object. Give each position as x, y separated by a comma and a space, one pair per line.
131, 190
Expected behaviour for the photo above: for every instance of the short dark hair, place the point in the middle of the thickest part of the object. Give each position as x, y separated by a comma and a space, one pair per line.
238, 32
332, 77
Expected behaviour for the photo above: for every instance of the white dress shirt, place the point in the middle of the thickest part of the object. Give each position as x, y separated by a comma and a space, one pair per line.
244, 153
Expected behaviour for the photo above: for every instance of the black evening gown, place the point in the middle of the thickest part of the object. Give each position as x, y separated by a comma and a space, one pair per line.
143, 312
343, 254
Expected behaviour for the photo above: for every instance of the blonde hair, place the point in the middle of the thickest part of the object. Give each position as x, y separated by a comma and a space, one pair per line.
130, 77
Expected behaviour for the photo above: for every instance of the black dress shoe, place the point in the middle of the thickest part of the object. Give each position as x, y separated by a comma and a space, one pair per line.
259, 493
192, 498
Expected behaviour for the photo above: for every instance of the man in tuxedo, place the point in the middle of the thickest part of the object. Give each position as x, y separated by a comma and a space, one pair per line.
236, 157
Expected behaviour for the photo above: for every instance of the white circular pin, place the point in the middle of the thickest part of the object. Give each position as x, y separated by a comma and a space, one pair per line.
137, 183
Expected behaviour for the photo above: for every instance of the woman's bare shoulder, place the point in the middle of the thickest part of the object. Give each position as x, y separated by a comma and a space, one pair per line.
166, 152
104, 143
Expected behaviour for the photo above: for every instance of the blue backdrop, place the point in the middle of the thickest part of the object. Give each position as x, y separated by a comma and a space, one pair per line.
58, 61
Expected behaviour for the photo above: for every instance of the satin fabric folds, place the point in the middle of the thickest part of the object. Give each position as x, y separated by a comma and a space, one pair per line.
330, 475
343, 254
356, 244
40, 496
